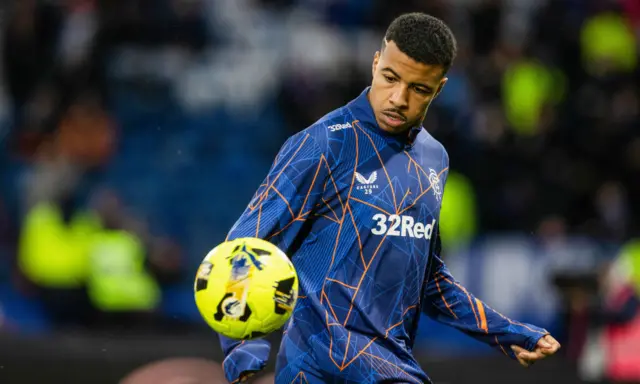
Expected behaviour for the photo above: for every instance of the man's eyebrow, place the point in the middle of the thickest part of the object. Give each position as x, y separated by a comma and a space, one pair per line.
388, 69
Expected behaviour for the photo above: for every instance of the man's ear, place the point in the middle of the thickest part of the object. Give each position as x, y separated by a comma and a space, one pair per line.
374, 65
442, 83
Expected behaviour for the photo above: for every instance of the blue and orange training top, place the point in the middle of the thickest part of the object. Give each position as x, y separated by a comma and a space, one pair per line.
357, 211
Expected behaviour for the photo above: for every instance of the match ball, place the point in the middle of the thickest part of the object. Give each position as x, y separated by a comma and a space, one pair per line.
246, 288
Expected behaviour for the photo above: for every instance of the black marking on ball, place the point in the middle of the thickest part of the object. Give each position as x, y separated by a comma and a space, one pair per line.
201, 284
261, 252
256, 335
284, 295
219, 315
247, 313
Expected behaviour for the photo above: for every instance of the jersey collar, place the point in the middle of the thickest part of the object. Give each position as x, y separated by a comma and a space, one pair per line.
361, 108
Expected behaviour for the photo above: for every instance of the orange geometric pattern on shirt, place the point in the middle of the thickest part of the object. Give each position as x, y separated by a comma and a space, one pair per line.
345, 213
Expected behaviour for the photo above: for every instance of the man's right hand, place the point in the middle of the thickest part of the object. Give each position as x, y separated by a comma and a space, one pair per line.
246, 360
245, 376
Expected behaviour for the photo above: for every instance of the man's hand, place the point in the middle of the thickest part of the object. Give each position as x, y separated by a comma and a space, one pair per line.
546, 346
245, 376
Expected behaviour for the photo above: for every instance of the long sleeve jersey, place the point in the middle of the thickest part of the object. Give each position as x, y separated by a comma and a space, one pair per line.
357, 211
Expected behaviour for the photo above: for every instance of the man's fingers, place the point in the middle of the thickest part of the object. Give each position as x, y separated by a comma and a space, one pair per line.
550, 339
246, 376
544, 343
547, 352
517, 349
546, 346
555, 345
523, 353
550, 351
529, 356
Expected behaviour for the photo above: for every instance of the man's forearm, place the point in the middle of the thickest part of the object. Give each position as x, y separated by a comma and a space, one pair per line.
448, 302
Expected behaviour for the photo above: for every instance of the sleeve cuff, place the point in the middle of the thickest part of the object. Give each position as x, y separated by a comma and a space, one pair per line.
245, 358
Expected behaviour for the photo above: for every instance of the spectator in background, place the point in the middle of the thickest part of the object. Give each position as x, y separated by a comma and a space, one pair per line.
54, 242
612, 213
93, 266
632, 13
622, 327
604, 319
120, 285
458, 215
529, 89
608, 44
86, 133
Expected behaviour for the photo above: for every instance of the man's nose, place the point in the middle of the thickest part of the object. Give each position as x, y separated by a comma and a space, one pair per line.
400, 97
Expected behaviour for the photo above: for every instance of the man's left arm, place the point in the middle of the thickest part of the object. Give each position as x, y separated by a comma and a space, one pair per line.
447, 301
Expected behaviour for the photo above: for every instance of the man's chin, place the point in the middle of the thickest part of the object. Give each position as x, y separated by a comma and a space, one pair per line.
394, 129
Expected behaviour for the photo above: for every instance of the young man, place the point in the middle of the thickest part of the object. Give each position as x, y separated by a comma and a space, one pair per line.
354, 200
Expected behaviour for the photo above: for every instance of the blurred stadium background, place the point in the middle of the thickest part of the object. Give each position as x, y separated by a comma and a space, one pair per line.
150, 123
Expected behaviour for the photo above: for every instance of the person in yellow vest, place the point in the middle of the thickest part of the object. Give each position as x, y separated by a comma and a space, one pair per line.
53, 256
608, 44
458, 214
609, 349
529, 88
120, 286
622, 331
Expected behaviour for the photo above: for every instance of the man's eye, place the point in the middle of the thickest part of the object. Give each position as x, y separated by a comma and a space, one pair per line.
389, 78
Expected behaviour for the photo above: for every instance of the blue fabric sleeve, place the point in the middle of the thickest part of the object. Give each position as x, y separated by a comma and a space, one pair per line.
448, 302
277, 213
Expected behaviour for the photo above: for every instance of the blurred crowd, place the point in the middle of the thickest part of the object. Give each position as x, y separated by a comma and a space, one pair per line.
126, 125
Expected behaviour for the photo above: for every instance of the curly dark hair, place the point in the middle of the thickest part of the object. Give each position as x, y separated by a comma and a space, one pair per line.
424, 38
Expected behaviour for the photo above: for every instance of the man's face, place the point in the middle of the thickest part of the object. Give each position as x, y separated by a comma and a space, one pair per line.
402, 89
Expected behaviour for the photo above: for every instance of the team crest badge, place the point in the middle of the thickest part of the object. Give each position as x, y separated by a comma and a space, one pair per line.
434, 180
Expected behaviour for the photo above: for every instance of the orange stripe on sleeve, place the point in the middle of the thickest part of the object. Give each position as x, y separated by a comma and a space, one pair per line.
483, 316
